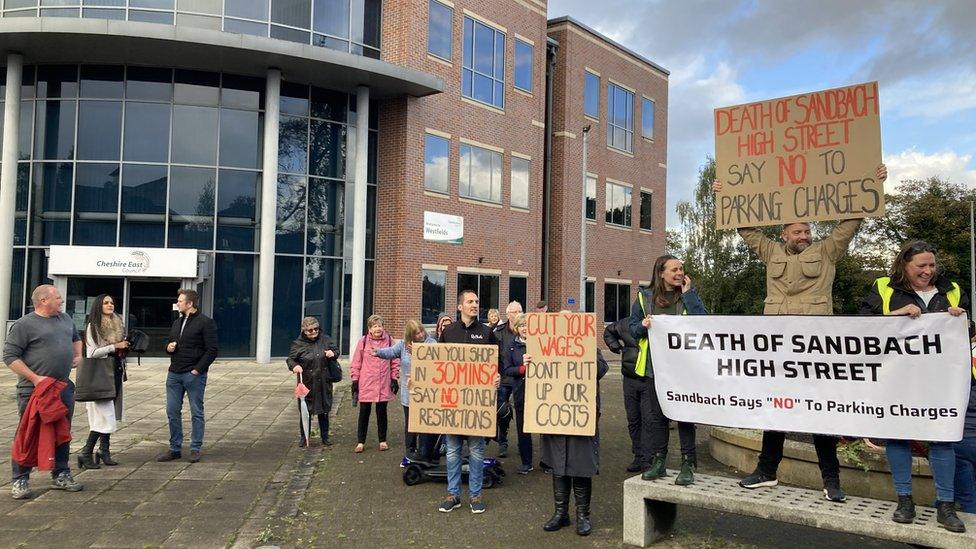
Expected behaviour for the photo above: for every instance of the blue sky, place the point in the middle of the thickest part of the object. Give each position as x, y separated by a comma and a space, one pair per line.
724, 52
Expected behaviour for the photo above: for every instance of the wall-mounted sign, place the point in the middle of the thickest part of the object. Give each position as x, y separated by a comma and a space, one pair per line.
112, 261
445, 228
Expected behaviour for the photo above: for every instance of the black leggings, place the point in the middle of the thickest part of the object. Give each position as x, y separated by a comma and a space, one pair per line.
660, 425
409, 439
364, 411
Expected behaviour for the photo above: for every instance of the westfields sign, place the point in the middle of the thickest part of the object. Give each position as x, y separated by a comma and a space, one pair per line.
112, 261
445, 228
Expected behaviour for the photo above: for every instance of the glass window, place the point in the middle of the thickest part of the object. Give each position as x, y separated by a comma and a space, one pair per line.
436, 155
248, 9
102, 81
245, 27
480, 174
290, 225
155, 4
149, 84
323, 293
487, 288
591, 95
146, 131
97, 188
59, 12
440, 26
17, 284
371, 10
242, 92
332, 17
200, 6
13, 4
54, 130
95, 13
327, 149
57, 81
286, 311
590, 197
329, 104
524, 53
26, 130
197, 88
618, 204
326, 207
620, 118
337, 44
194, 135
36, 274
294, 99
645, 210
99, 130
647, 118
240, 138
191, 207
616, 302
292, 35
162, 18
294, 13
51, 203
432, 295
590, 303
20, 213
293, 145
518, 291
483, 71
234, 291
520, 182
199, 21
237, 193
143, 205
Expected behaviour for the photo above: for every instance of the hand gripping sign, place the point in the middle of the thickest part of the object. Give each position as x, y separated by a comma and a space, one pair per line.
452, 389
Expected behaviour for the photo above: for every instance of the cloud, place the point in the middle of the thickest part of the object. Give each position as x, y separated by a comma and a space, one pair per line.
912, 164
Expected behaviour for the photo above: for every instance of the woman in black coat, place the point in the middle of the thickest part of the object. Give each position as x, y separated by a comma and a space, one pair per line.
314, 356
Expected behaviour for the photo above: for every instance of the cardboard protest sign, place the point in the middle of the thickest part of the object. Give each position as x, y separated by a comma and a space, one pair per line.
560, 383
809, 157
452, 389
862, 376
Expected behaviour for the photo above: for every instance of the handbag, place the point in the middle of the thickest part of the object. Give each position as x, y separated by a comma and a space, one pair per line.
95, 379
334, 371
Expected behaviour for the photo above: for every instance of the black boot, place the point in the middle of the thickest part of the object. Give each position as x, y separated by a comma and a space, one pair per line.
583, 489
103, 454
905, 512
85, 460
947, 517
560, 495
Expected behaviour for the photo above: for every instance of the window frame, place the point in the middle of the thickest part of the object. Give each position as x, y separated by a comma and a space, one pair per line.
591, 200
627, 210
645, 101
450, 52
515, 72
469, 72
512, 180
447, 171
595, 114
650, 212
616, 303
483, 304
628, 128
495, 155
423, 294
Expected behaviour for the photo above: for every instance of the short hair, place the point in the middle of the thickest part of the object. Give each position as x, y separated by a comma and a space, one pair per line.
465, 291
510, 309
373, 320
519, 321
495, 311
309, 322
190, 296
541, 304
41, 292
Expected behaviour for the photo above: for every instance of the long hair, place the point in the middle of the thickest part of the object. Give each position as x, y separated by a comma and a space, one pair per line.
909, 250
96, 320
410, 330
660, 289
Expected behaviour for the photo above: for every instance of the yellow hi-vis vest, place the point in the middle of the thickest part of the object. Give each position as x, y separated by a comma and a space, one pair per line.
886, 291
642, 347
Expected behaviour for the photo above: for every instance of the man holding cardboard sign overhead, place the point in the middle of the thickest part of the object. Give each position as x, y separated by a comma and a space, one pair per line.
790, 161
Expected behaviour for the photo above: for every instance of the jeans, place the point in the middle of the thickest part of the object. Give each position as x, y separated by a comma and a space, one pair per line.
409, 439
942, 460
772, 454
381, 423
965, 485
193, 386
637, 404
660, 429
524, 439
504, 392
476, 464
61, 450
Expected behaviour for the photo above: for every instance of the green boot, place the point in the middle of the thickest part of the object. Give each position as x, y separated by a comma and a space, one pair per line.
657, 469
687, 473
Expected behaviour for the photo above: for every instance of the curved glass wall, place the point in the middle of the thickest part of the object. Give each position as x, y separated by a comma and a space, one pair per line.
157, 157
351, 26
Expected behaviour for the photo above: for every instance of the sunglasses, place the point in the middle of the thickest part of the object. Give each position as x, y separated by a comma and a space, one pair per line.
310, 330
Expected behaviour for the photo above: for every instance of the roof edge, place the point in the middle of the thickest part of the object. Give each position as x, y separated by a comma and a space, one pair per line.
601, 36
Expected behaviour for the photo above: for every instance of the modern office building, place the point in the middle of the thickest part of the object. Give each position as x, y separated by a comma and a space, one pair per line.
309, 157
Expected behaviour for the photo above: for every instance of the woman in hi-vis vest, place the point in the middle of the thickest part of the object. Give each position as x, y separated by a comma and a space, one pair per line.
914, 288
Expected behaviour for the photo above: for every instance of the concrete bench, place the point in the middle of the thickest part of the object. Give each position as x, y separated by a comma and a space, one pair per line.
650, 508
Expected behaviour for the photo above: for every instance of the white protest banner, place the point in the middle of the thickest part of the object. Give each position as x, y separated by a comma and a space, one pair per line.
865, 376
452, 389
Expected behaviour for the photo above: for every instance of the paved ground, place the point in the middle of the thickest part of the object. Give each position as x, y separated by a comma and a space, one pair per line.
255, 487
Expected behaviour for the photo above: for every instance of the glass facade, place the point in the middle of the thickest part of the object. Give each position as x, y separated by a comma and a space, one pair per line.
157, 157
351, 26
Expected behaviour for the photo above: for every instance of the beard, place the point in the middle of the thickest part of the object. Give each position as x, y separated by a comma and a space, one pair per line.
797, 247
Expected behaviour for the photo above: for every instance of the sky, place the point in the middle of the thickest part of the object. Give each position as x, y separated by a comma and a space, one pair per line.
727, 52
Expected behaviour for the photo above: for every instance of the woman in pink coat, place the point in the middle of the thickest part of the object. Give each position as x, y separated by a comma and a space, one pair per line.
374, 378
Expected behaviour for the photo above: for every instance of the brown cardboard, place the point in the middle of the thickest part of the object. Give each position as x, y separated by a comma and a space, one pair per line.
452, 389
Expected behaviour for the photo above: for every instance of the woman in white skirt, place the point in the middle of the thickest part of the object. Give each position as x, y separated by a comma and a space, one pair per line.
104, 338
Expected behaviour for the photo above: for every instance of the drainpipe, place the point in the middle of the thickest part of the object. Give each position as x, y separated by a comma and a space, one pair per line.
551, 46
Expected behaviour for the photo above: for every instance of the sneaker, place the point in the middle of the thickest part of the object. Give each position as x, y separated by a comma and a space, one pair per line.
525, 469
194, 456
947, 518
758, 480
503, 450
545, 467
20, 489
449, 504
64, 481
833, 492
905, 512
477, 506
169, 455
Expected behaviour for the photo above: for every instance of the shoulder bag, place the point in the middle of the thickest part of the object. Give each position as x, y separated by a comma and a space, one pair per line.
95, 379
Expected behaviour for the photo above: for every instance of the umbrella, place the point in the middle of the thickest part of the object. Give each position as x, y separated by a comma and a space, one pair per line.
300, 392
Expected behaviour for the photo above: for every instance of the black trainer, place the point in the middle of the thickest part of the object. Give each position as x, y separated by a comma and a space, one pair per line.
758, 480
635, 466
947, 517
833, 492
905, 512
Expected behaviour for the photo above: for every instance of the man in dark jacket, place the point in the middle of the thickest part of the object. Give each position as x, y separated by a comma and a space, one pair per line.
503, 333
192, 348
637, 389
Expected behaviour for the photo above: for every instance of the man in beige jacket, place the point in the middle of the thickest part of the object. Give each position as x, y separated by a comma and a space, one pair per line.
799, 281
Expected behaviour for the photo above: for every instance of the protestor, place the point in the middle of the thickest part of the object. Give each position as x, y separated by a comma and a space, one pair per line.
670, 293
315, 356
428, 449
41, 348
636, 399
913, 288
413, 332
965, 450
512, 364
443, 321
377, 380
105, 341
574, 461
541, 306
471, 332
493, 319
192, 347
799, 281
504, 332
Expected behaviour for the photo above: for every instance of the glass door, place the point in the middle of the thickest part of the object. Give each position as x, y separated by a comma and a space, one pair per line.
151, 311
81, 294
